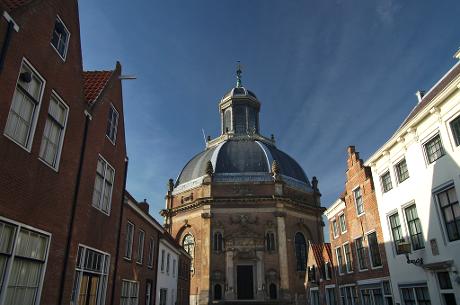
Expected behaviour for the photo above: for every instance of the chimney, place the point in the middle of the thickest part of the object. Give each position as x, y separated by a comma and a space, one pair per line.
420, 94
457, 54
351, 150
144, 206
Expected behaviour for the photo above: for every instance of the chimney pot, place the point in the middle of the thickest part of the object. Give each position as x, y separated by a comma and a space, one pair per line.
420, 94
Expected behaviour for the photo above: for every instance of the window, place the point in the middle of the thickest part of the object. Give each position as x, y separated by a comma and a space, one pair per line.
396, 232
300, 251
330, 296
347, 253
112, 124
343, 225
434, 149
90, 282
270, 241
53, 134
387, 293
386, 182
162, 268
314, 296
445, 287
372, 296
23, 255
168, 259
335, 229
312, 274
348, 295
151, 249
273, 291
374, 250
455, 126
415, 228
189, 245
327, 270
217, 292
174, 268
60, 39
218, 242
129, 292
359, 201
163, 296
450, 210
129, 240
148, 293
401, 170
227, 120
22, 117
140, 247
102, 195
338, 252
361, 253
415, 296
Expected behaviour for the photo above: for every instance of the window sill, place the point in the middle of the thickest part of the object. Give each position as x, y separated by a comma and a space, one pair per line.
49, 165
127, 258
110, 140
363, 270
28, 149
377, 268
60, 56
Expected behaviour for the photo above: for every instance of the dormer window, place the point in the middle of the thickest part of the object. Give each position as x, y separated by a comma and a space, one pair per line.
60, 39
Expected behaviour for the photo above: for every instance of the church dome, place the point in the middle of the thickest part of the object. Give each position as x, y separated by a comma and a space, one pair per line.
239, 160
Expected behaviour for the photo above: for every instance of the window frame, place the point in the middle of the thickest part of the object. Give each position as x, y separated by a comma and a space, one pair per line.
151, 254
398, 172
335, 228
348, 264
342, 229
10, 260
370, 250
414, 294
366, 267
218, 243
424, 145
100, 208
109, 120
62, 136
355, 201
129, 297
387, 185
450, 205
140, 247
64, 58
400, 227
340, 264
270, 241
455, 136
36, 111
131, 241
405, 208
162, 261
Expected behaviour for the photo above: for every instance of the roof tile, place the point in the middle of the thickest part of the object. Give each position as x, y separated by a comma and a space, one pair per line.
14, 4
93, 83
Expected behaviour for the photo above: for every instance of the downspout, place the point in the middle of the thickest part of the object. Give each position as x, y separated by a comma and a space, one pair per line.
117, 253
74, 207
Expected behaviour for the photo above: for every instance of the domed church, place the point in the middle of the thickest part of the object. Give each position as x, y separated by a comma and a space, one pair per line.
245, 211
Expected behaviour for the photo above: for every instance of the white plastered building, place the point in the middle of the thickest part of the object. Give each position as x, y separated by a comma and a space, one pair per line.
416, 175
168, 260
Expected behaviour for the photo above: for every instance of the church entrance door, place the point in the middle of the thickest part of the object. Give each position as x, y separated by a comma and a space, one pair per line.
245, 282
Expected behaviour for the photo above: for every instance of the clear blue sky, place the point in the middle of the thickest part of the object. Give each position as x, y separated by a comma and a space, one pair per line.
328, 73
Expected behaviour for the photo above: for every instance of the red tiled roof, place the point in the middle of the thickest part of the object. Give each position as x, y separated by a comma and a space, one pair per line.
93, 83
437, 88
320, 256
14, 4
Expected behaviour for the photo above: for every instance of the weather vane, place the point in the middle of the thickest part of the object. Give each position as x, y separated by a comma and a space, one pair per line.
238, 74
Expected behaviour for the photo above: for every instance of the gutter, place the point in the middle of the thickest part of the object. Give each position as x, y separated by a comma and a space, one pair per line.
88, 118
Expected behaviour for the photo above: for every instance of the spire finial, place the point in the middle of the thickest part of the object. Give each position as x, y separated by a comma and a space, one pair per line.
238, 74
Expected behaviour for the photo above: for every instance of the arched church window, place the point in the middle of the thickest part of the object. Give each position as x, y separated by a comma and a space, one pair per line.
300, 251
270, 241
239, 119
272, 291
217, 292
189, 245
227, 120
218, 242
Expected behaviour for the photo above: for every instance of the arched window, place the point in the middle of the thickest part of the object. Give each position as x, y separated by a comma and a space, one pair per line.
272, 291
239, 119
300, 251
217, 292
218, 242
270, 241
189, 245
227, 120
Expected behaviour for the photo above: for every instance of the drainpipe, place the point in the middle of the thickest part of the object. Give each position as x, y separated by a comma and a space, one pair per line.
117, 253
74, 206
6, 43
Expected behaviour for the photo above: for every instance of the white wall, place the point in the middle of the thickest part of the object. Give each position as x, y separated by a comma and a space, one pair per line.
167, 280
420, 188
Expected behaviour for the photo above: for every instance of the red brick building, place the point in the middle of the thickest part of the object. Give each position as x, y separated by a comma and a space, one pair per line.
320, 280
63, 165
357, 241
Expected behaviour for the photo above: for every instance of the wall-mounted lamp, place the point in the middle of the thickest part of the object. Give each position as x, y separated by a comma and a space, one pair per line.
405, 249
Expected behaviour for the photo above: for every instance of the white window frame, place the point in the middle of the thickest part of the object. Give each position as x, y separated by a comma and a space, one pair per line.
129, 297
107, 164
339, 264
168, 262
116, 125
151, 249
101, 295
384, 173
162, 261
356, 203
395, 169
344, 222
140, 247
369, 250
413, 287
33, 123
352, 289
10, 260
174, 267
335, 232
425, 153
68, 40
61, 140
130, 238
350, 263
357, 253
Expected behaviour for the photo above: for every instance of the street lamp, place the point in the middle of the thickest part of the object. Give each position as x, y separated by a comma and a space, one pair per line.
405, 248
